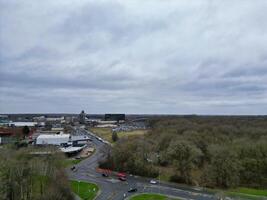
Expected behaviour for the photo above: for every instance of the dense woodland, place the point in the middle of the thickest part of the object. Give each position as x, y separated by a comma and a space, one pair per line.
216, 152
34, 177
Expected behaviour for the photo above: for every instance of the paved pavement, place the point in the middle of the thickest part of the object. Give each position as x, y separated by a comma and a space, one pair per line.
113, 189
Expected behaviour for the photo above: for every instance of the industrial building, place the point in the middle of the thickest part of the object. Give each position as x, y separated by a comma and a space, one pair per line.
62, 139
22, 124
69, 144
115, 117
4, 119
53, 139
6, 137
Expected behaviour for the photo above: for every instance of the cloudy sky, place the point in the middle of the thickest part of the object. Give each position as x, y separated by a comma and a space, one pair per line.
172, 57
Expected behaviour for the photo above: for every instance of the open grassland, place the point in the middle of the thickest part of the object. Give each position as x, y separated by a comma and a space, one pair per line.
106, 133
151, 197
131, 133
86, 191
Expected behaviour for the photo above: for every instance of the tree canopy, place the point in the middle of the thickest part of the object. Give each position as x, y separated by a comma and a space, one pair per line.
212, 151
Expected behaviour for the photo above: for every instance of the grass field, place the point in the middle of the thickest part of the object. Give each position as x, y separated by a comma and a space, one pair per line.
151, 197
131, 133
86, 191
248, 193
106, 133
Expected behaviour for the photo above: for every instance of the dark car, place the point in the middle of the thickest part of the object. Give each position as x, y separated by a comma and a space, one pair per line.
105, 175
132, 190
73, 168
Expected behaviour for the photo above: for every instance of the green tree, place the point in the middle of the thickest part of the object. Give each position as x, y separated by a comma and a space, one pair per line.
224, 169
114, 136
25, 131
184, 157
26, 176
253, 159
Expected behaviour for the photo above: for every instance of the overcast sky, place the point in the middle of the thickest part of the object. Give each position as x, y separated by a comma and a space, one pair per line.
171, 57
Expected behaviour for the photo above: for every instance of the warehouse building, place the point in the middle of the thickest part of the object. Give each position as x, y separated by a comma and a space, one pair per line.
53, 139
62, 139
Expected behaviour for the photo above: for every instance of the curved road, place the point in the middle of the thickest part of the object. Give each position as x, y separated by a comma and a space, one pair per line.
113, 189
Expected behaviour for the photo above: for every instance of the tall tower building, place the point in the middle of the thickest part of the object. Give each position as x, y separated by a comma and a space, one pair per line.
82, 117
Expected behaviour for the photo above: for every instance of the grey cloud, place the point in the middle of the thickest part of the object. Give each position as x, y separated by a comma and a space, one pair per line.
204, 57
101, 82
245, 71
111, 19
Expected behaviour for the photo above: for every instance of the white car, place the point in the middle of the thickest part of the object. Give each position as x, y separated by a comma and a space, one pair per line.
153, 182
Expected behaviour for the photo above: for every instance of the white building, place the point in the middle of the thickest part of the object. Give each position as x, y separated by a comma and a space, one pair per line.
57, 129
71, 149
53, 139
55, 119
106, 126
21, 124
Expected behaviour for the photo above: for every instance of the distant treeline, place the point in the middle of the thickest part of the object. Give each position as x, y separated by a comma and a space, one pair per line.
209, 151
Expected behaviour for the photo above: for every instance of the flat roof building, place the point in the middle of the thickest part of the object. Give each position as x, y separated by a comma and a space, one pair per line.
53, 139
21, 124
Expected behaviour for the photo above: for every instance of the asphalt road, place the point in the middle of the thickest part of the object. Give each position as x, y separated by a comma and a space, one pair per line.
114, 189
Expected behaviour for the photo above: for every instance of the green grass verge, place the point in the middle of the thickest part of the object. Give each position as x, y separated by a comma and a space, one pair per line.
70, 162
151, 197
86, 191
251, 191
243, 196
242, 193
248, 193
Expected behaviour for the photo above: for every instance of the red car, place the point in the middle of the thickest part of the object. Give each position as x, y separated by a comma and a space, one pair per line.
121, 176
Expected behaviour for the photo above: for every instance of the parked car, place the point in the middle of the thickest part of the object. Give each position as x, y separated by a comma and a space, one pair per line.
105, 175
132, 190
73, 168
121, 176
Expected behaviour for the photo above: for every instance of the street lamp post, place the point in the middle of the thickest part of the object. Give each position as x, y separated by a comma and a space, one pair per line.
159, 180
158, 156
79, 188
159, 176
